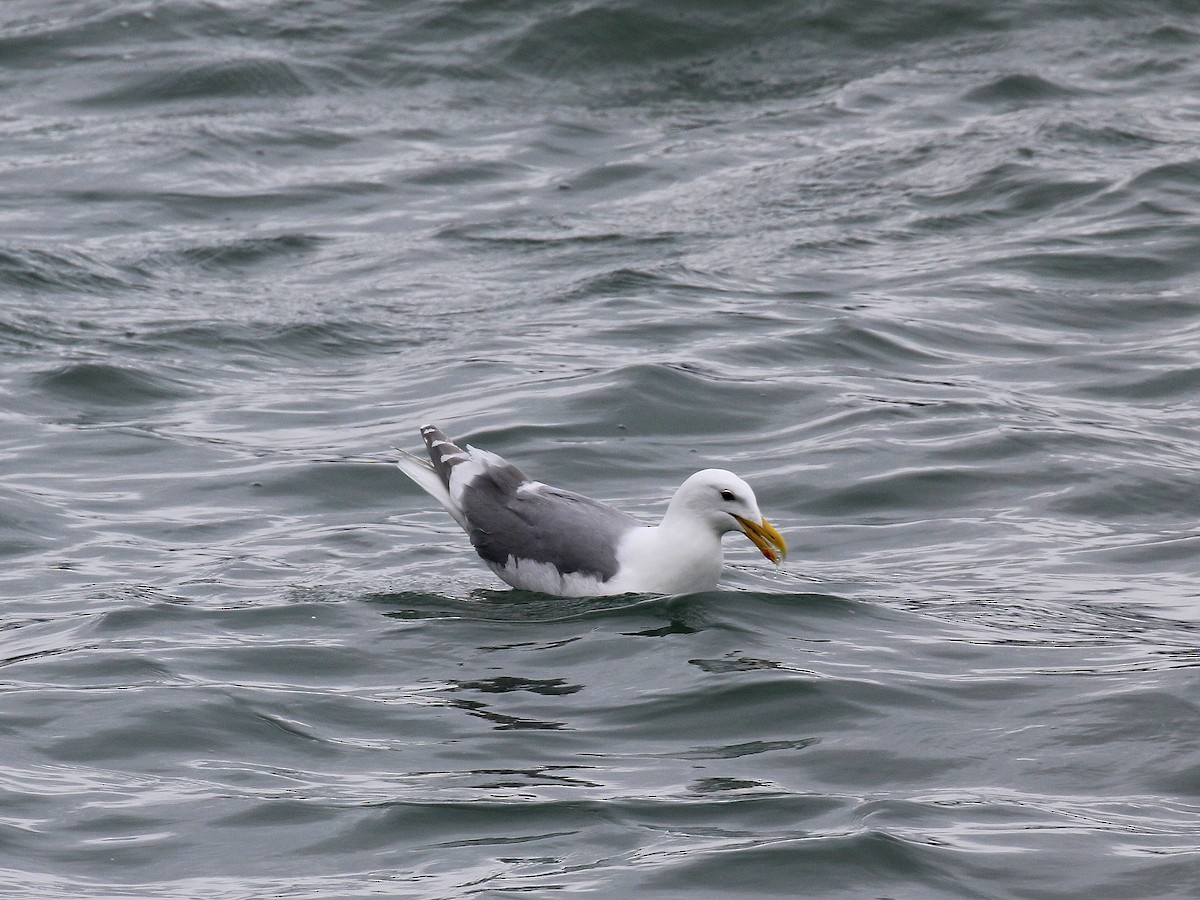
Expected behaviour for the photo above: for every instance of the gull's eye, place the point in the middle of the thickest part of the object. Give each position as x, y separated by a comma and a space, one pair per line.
728, 496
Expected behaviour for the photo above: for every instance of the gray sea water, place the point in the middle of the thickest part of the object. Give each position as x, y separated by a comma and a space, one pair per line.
927, 275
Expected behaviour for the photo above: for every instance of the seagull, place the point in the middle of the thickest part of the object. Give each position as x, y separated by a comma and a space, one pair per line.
541, 538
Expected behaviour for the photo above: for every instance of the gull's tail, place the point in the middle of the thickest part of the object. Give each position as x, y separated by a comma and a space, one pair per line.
432, 478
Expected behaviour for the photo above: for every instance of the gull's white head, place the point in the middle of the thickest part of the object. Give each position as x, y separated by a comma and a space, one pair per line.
726, 503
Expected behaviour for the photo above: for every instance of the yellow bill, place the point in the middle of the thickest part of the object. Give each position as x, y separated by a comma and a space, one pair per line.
765, 538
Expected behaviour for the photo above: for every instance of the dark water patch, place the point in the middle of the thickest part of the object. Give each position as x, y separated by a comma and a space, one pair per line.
1094, 265
27, 642
40, 42
723, 785
1103, 135
440, 823
1174, 247
1169, 720
95, 666
674, 626
523, 236
1177, 554
1041, 196
1161, 723
220, 203
250, 252
678, 398
764, 810
104, 385
1003, 449
612, 35
630, 615
877, 24
503, 684
627, 34
617, 178
622, 283
29, 523
1158, 493
261, 345
205, 723
277, 813
333, 485
638, 51
501, 721
894, 345
45, 271
150, 611
1014, 189
1167, 383
1082, 310
457, 174
1174, 34
919, 362
1132, 632
623, 54
287, 135
735, 664
291, 656
918, 490
516, 606
868, 862
760, 704
1179, 180
1018, 90
87, 35
212, 80
750, 748
25, 333
1141, 71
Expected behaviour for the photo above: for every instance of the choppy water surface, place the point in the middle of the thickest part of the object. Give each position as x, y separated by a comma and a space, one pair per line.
927, 275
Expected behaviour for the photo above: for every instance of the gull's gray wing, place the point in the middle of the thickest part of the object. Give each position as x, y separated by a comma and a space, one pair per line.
509, 516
